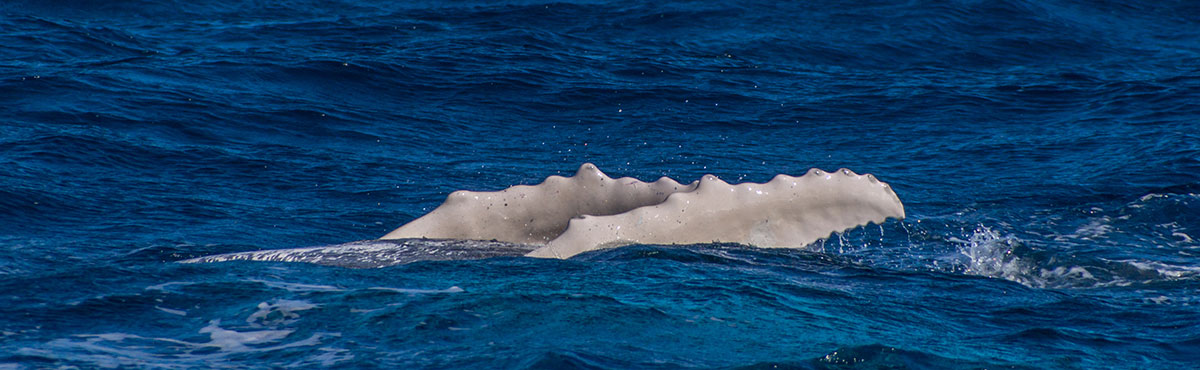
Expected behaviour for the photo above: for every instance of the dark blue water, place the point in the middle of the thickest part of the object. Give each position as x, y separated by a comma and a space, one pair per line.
1048, 154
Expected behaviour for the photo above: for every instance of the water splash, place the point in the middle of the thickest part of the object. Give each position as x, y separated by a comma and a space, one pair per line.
989, 253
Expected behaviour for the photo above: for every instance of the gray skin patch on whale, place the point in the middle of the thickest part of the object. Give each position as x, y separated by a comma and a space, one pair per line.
381, 253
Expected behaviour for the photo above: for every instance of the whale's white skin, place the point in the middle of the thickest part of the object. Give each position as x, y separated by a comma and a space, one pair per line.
565, 216
784, 212
590, 211
536, 214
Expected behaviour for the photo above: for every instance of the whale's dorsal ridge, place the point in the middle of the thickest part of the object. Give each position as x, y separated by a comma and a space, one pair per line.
590, 210
533, 214
784, 212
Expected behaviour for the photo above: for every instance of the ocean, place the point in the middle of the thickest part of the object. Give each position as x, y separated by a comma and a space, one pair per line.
1047, 154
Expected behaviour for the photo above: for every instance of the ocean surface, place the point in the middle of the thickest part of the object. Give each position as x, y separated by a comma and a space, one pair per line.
1047, 153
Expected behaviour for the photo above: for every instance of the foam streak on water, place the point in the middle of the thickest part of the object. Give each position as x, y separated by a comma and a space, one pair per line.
1046, 153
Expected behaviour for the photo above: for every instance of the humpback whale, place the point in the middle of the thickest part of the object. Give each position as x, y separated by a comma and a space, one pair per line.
565, 216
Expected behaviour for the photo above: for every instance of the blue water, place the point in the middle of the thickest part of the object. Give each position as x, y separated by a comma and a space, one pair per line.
1047, 153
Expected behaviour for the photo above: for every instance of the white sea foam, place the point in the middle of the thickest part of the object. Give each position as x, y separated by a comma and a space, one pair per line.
166, 286
1185, 238
298, 287
281, 311
1094, 229
230, 340
326, 357
171, 311
453, 289
1165, 270
111, 350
